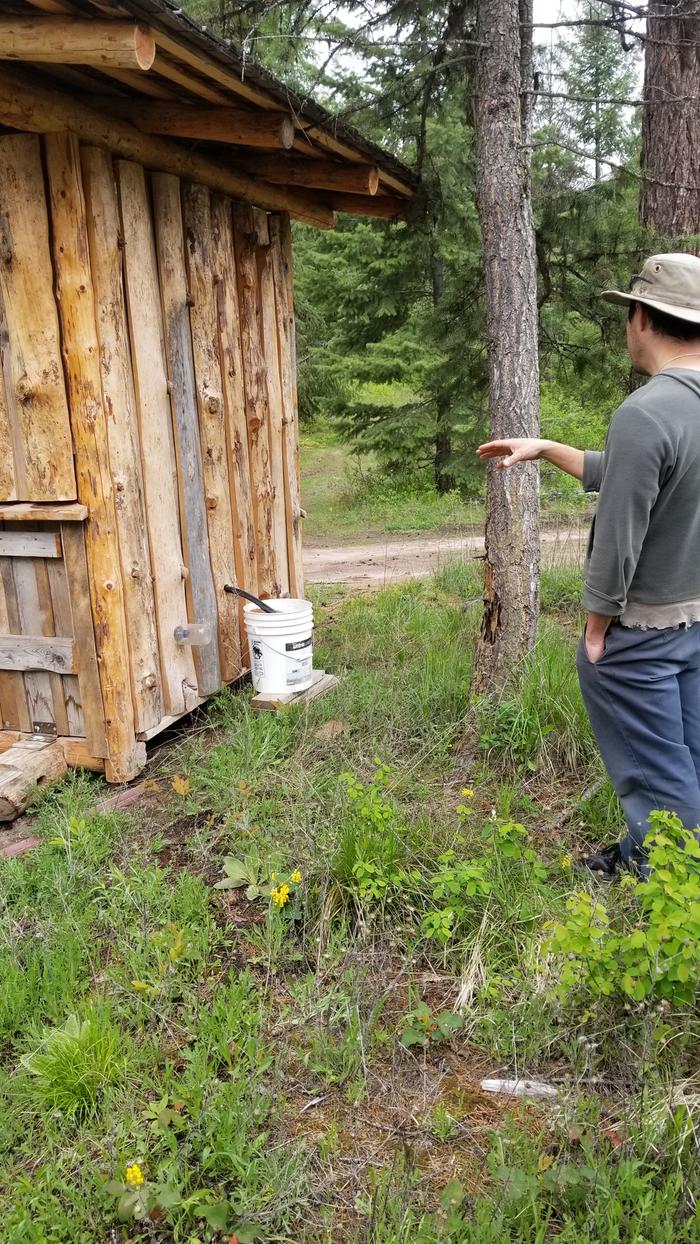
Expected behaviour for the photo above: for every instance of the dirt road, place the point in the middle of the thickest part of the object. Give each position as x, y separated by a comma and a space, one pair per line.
394, 561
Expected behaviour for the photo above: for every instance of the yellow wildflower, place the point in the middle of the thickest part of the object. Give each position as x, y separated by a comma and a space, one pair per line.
134, 1176
468, 794
280, 895
296, 876
566, 862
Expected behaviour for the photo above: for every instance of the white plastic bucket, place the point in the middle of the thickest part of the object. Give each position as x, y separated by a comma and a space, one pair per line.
281, 646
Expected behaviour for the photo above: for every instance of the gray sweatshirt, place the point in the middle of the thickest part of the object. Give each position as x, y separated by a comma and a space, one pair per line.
644, 545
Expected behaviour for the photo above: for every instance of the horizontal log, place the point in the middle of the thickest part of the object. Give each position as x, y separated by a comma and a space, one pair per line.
22, 767
328, 141
30, 544
75, 749
25, 105
38, 652
49, 512
317, 174
239, 126
70, 41
209, 69
382, 206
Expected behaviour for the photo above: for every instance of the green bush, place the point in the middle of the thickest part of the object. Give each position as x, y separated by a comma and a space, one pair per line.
657, 949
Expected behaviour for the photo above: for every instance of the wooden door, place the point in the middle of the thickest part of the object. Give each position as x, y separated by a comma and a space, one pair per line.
49, 683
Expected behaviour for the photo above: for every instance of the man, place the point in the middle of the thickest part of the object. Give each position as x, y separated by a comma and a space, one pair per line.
639, 657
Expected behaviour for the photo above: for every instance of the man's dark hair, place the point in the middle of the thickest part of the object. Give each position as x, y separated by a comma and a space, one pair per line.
668, 325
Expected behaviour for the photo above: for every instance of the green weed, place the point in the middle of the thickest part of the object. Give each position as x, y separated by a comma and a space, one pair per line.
71, 1067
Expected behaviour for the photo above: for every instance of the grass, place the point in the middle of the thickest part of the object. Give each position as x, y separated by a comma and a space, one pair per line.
347, 500
310, 1070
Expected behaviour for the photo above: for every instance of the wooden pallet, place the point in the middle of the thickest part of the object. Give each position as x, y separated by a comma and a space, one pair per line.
265, 702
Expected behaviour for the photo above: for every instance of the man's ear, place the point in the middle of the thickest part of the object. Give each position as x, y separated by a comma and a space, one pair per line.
643, 321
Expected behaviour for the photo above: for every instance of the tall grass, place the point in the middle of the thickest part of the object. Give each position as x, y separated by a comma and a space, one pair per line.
544, 724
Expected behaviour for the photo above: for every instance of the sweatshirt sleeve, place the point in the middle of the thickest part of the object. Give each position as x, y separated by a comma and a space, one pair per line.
636, 454
592, 469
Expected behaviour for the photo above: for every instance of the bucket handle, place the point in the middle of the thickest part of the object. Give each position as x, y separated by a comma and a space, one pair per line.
239, 591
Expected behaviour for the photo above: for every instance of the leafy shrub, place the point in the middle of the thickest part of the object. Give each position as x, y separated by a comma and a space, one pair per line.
422, 1027
370, 856
659, 952
461, 887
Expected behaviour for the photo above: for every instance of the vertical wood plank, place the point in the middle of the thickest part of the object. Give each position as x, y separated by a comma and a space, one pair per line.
63, 625
229, 337
73, 540
122, 430
281, 239
60, 708
32, 620
8, 429
212, 422
255, 381
156, 438
199, 585
82, 364
12, 691
229, 326
270, 345
36, 404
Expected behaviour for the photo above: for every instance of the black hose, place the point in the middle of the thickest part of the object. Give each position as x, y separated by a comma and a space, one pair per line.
254, 600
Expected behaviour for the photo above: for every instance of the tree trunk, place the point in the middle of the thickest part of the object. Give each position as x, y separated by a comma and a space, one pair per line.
670, 198
503, 125
444, 479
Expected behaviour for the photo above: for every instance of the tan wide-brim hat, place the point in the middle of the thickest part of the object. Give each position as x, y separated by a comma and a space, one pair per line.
670, 283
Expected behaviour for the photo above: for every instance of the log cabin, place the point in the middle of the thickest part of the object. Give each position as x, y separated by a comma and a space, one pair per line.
148, 424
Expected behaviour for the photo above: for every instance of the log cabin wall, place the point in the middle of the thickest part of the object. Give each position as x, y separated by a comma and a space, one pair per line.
148, 441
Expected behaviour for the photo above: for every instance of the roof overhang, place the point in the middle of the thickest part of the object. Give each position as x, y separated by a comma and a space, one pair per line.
141, 75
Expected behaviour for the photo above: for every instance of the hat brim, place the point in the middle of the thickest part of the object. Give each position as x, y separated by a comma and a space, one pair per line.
623, 300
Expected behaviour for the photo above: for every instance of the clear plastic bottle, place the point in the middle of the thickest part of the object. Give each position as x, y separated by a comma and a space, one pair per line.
196, 634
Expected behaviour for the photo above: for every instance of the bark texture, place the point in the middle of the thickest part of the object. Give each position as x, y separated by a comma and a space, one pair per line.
503, 122
670, 197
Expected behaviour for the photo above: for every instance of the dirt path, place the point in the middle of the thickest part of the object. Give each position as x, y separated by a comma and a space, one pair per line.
382, 562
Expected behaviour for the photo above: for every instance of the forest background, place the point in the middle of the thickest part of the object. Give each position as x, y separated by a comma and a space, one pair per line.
390, 316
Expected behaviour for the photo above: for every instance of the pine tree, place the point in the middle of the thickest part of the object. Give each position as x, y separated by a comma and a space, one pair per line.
595, 70
670, 200
503, 132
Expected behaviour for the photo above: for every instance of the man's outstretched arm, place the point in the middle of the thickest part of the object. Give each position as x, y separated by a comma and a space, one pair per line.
527, 449
516, 449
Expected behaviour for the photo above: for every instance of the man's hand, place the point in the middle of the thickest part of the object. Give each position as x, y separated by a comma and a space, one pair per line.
514, 449
528, 448
594, 638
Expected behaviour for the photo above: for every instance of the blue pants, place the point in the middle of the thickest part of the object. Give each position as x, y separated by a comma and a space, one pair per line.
643, 702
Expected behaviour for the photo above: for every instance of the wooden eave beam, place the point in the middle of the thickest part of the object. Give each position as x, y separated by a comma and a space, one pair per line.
239, 126
318, 174
310, 136
382, 206
227, 78
215, 72
24, 105
72, 41
335, 146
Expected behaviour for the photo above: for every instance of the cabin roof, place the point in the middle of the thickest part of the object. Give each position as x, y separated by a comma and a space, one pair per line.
194, 68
